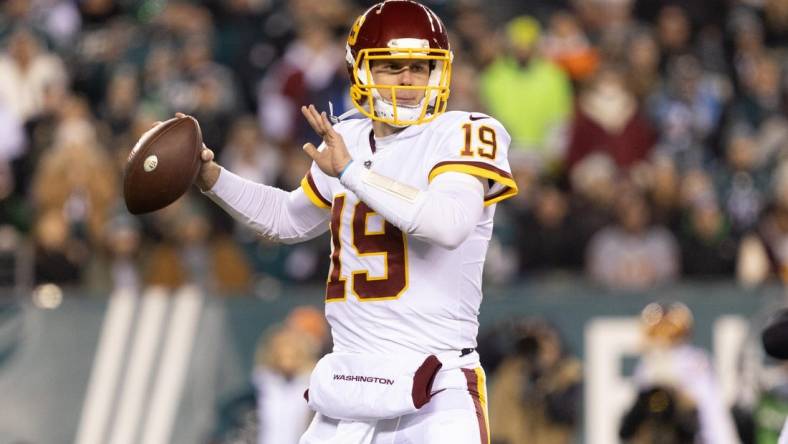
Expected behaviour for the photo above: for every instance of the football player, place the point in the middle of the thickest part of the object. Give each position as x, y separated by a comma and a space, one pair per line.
408, 193
670, 360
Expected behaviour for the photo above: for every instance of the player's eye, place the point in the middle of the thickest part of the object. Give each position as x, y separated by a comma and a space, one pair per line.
420, 67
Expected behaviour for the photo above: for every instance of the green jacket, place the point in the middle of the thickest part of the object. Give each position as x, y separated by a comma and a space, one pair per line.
533, 102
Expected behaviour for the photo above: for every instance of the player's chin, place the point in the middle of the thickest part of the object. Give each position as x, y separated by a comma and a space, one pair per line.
409, 100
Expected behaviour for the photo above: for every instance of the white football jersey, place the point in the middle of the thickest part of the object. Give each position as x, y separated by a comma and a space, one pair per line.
388, 292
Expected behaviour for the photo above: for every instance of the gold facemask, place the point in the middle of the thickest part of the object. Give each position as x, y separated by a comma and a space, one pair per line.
366, 97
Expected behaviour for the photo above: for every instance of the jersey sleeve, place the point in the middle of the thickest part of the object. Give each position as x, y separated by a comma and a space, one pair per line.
477, 145
316, 188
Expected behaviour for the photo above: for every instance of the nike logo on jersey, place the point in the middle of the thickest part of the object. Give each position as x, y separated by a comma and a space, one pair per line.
472, 117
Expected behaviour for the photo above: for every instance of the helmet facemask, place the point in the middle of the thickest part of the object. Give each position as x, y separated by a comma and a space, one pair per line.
365, 93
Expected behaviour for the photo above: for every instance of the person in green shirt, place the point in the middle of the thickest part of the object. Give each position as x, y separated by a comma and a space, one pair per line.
530, 95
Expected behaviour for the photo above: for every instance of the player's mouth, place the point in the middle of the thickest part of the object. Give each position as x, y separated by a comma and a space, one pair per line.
407, 100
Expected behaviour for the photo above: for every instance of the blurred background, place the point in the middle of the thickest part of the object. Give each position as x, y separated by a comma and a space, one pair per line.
625, 286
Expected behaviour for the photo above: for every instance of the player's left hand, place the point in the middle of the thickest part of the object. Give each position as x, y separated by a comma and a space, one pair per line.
332, 159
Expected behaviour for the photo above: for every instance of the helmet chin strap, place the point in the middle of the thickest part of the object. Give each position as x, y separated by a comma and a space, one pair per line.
385, 109
353, 111
344, 116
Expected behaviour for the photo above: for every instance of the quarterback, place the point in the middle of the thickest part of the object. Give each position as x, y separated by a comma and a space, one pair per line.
408, 193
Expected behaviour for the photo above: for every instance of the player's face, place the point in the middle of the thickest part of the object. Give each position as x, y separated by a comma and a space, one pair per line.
401, 72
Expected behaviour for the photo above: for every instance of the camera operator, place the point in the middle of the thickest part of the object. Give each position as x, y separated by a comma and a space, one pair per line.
535, 394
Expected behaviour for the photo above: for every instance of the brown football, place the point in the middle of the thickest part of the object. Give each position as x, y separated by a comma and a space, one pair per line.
162, 165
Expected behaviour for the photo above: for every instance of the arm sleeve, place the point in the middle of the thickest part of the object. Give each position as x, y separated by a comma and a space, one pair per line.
288, 217
444, 214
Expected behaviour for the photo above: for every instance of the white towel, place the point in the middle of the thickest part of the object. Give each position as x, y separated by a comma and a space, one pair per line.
366, 388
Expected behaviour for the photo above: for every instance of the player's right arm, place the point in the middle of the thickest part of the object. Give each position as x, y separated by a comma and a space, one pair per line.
287, 217
444, 214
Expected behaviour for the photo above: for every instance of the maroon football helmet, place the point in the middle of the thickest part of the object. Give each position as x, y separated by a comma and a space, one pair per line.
399, 29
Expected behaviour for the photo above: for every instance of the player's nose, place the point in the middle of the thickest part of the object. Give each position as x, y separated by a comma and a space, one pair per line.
406, 77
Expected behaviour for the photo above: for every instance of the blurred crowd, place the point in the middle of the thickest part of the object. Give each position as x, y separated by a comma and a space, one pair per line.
649, 138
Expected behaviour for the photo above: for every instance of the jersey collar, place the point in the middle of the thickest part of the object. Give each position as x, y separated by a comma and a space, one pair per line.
377, 143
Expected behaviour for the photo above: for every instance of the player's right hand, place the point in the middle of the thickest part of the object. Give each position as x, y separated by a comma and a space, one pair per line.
209, 170
334, 156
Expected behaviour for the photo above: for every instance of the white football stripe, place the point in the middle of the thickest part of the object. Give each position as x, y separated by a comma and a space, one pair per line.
140, 365
173, 367
106, 367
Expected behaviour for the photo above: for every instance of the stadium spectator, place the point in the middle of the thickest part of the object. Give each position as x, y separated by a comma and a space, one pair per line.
121, 100
13, 143
763, 253
310, 71
642, 64
310, 321
476, 33
250, 154
742, 182
775, 13
674, 32
707, 249
15, 221
608, 22
27, 72
633, 254
661, 183
283, 362
117, 262
58, 259
566, 44
547, 236
687, 110
464, 88
190, 254
76, 177
748, 43
608, 119
530, 95
594, 186
760, 109
15, 211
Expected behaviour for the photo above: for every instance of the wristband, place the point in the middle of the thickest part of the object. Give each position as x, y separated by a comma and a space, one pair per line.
344, 169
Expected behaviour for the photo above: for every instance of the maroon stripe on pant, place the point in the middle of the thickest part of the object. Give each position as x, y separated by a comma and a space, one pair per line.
473, 389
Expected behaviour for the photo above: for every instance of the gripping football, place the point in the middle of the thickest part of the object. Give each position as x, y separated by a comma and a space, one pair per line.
162, 165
